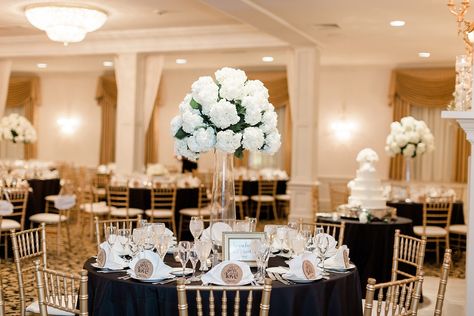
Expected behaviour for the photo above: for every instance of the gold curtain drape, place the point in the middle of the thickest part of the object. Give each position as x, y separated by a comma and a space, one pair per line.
426, 87
106, 96
25, 91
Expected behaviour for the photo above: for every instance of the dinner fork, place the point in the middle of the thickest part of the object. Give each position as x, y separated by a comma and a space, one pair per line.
282, 280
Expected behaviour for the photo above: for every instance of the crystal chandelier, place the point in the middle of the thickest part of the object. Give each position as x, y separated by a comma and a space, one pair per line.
66, 23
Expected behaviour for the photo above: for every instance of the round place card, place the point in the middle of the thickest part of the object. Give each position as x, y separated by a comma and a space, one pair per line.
308, 270
231, 274
144, 269
101, 258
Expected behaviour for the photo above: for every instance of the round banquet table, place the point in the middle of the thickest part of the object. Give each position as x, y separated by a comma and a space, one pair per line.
338, 296
414, 211
39, 190
371, 245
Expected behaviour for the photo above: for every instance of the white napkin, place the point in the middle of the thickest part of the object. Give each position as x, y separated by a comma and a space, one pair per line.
64, 202
331, 247
160, 269
102, 169
6, 208
296, 266
217, 230
113, 260
214, 276
337, 261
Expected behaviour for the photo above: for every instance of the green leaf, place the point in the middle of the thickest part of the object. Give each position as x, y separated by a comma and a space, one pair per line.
239, 152
180, 134
195, 105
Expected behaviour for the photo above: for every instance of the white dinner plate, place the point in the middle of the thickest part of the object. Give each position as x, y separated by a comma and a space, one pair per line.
179, 271
329, 268
118, 267
298, 280
152, 279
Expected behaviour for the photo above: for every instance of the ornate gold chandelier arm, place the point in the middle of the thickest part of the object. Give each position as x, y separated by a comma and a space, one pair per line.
464, 27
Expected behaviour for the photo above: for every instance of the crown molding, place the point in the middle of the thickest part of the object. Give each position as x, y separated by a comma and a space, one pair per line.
143, 41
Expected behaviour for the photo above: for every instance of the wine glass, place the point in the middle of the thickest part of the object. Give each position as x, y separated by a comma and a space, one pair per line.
290, 236
194, 258
123, 237
298, 244
270, 233
281, 233
196, 226
162, 245
111, 235
203, 248
261, 250
137, 237
183, 253
158, 229
322, 244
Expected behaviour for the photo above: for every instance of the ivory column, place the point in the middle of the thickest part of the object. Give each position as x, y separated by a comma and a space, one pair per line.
303, 79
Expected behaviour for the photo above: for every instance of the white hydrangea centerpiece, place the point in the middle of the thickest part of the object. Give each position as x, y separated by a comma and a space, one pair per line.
409, 137
17, 129
230, 113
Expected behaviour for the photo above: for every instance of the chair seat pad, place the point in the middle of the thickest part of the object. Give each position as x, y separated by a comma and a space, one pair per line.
98, 208
122, 212
431, 231
34, 308
241, 198
100, 191
262, 198
283, 197
195, 212
48, 218
159, 213
8, 224
458, 229
51, 198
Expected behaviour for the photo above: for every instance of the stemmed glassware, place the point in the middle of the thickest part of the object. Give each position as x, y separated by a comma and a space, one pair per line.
111, 235
162, 245
194, 258
298, 244
183, 253
123, 237
203, 248
261, 251
322, 244
270, 234
281, 234
196, 226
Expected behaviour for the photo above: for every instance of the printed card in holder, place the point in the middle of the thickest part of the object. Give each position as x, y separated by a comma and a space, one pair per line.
345, 255
237, 246
308, 270
101, 258
231, 274
144, 269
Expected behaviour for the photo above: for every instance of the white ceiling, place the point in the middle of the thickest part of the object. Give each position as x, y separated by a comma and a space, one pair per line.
364, 36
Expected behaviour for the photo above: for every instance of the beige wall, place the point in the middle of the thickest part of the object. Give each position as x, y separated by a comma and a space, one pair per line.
69, 94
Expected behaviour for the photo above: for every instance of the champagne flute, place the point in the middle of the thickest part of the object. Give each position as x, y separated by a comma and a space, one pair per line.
162, 245
194, 258
196, 226
183, 253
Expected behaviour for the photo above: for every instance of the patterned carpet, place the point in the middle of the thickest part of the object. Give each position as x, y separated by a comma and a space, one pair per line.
82, 247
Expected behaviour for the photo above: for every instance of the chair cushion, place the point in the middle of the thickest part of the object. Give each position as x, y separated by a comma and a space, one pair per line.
195, 211
241, 198
122, 212
458, 229
283, 197
262, 198
431, 231
99, 208
34, 308
48, 218
100, 191
8, 224
159, 213
50, 198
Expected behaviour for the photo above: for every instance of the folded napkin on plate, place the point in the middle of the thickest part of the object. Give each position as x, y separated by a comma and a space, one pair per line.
229, 272
304, 267
217, 230
332, 245
6, 208
109, 258
64, 202
340, 260
148, 265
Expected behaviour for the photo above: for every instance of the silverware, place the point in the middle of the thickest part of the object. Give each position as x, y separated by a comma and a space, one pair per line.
284, 281
112, 271
271, 276
164, 282
125, 277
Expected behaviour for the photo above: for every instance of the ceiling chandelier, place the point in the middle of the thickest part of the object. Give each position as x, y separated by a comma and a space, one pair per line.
66, 23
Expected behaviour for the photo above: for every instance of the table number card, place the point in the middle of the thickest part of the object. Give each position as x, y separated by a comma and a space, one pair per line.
101, 258
237, 246
308, 270
231, 274
144, 269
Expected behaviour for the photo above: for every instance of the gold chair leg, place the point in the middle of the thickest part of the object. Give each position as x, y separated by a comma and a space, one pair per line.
173, 223
180, 226
437, 251
68, 236
275, 214
258, 210
58, 237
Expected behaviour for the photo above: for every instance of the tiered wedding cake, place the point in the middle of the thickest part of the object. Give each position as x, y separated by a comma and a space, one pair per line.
366, 188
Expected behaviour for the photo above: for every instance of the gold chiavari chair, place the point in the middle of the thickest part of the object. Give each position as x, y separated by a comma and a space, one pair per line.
407, 251
120, 223
2, 299
202, 208
443, 282
100, 183
394, 298
118, 201
335, 230
90, 209
266, 196
338, 194
163, 202
436, 220
210, 309
240, 198
19, 199
28, 245
283, 203
458, 236
59, 291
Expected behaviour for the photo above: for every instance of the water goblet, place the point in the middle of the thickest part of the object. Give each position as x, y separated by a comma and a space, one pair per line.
158, 229
183, 253
194, 258
298, 244
196, 226
261, 250
162, 245
123, 237
111, 235
203, 248
322, 244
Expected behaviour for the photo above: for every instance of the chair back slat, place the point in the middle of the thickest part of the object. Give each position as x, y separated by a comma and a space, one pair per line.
163, 198
101, 180
118, 196
267, 187
19, 199
437, 214
239, 186
409, 251
443, 281
335, 230
203, 198
101, 225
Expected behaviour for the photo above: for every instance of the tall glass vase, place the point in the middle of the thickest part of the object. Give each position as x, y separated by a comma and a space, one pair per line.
408, 177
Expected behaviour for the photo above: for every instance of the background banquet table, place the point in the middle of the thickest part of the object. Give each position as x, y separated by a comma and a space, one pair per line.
414, 211
340, 295
39, 190
371, 245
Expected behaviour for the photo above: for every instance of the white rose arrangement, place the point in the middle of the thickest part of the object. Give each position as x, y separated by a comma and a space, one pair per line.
17, 129
231, 114
409, 137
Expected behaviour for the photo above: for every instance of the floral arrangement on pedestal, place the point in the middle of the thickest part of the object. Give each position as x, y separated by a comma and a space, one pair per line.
409, 137
17, 129
231, 114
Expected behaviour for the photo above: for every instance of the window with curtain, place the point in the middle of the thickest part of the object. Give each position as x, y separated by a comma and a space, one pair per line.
9, 150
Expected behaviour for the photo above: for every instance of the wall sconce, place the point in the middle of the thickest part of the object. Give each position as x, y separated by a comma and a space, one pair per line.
343, 129
68, 125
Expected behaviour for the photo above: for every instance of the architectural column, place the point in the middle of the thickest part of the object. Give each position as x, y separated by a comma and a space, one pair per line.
303, 81
5, 68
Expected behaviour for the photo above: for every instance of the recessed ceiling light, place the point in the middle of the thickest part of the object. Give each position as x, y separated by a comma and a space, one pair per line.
181, 61
42, 65
397, 23
424, 54
267, 59
108, 63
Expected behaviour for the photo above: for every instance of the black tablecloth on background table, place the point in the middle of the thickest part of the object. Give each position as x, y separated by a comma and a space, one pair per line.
39, 190
338, 296
414, 211
371, 246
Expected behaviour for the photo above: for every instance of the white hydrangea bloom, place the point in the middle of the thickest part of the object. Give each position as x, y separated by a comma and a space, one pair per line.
401, 140
185, 105
175, 124
232, 89
272, 142
409, 150
253, 115
255, 88
17, 129
191, 121
228, 141
252, 138
420, 148
270, 120
181, 149
226, 73
205, 92
202, 140
224, 114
